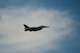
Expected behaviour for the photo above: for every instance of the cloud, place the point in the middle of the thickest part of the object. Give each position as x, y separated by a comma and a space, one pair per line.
16, 39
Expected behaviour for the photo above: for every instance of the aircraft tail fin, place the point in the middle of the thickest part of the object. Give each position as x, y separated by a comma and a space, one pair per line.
26, 26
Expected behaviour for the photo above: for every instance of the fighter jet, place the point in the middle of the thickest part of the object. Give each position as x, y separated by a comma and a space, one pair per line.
27, 28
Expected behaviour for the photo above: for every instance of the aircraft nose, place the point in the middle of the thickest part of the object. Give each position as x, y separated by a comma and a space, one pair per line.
46, 26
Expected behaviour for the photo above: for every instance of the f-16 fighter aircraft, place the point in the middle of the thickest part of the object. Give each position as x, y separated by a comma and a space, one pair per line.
27, 28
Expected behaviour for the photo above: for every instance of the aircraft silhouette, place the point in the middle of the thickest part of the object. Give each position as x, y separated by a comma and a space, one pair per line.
27, 28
